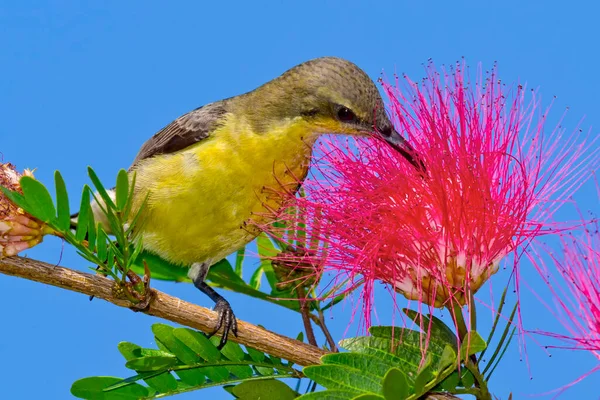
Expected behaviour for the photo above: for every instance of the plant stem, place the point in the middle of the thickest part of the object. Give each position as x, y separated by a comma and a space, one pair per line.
328, 337
305, 312
461, 326
471, 363
484, 393
459, 320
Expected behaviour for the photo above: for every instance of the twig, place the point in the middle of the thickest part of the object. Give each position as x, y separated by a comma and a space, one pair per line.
163, 306
323, 326
305, 312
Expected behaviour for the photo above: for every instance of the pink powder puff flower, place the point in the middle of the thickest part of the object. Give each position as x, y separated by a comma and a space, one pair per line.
574, 281
572, 273
18, 230
494, 179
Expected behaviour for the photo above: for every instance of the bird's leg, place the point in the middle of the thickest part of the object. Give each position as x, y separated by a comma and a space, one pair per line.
226, 318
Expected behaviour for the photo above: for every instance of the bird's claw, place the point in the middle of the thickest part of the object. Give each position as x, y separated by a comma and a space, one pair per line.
226, 319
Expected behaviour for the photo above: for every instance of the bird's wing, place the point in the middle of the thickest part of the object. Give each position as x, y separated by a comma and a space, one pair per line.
183, 132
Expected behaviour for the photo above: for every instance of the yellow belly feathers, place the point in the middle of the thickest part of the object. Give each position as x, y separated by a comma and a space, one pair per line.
200, 198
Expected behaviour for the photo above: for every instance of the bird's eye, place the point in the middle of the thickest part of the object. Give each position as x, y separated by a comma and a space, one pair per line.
346, 115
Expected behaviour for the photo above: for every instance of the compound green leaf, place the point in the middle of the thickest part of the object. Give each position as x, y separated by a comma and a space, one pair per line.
151, 363
83, 218
162, 383
164, 335
38, 198
437, 329
122, 189
63, 214
264, 390
93, 389
233, 352
202, 347
100, 189
363, 362
338, 377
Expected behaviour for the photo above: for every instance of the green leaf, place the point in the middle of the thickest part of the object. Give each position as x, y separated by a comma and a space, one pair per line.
151, 363
405, 349
472, 344
239, 261
204, 348
451, 382
426, 375
259, 357
101, 249
63, 214
38, 198
395, 385
100, 189
467, 379
122, 189
329, 395
15, 197
501, 355
145, 376
267, 250
362, 362
91, 231
256, 277
162, 383
370, 396
300, 337
448, 357
164, 334
92, 389
233, 352
410, 337
338, 377
129, 204
264, 390
84, 211
436, 328
505, 332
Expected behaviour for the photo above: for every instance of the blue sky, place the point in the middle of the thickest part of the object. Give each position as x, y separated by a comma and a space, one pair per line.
85, 83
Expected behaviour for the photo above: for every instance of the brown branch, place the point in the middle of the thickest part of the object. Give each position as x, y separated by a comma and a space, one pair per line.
170, 308
163, 306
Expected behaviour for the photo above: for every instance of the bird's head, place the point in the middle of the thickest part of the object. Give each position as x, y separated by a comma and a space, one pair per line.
331, 95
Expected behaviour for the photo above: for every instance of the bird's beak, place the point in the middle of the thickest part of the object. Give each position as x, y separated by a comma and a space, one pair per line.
405, 149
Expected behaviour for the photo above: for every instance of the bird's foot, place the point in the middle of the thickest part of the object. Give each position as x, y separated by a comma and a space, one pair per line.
136, 290
226, 319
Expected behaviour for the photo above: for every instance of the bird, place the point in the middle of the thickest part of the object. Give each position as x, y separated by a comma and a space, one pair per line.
205, 175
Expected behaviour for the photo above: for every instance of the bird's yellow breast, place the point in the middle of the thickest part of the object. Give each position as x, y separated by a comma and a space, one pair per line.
200, 199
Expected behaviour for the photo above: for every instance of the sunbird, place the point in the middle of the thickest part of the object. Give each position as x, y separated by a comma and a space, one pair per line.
204, 176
